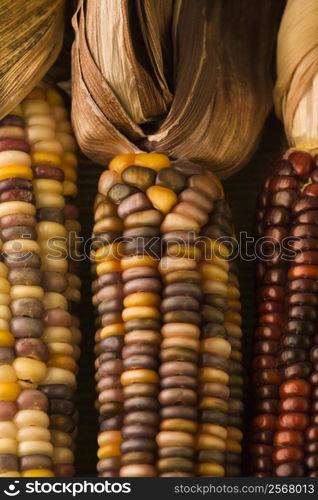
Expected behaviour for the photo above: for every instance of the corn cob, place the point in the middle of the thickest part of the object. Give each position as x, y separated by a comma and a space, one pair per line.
31, 197
284, 438
151, 280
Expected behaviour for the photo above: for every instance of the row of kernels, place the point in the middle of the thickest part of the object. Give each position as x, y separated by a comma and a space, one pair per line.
214, 365
72, 292
221, 221
141, 314
181, 331
179, 354
108, 299
235, 418
271, 276
21, 254
214, 348
130, 176
47, 153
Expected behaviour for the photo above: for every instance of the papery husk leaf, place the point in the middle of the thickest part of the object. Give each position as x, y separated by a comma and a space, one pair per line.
31, 34
296, 89
194, 84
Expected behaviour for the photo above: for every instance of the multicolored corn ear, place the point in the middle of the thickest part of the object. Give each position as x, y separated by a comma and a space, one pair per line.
168, 343
39, 333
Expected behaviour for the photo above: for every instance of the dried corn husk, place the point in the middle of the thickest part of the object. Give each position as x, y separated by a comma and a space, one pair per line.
296, 90
31, 34
189, 79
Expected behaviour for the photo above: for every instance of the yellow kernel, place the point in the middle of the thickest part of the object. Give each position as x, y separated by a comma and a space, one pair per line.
179, 222
234, 305
183, 330
234, 433
140, 312
179, 424
138, 261
113, 329
120, 162
32, 369
233, 317
236, 380
215, 430
210, 469
233, 292
9, 391
108, 224
109, 450
107, 437
70, 159
217, 261
170, 264
70, 188
141, 376
70, 173
213, 375
216, 345
66, 362
16, 171
182, 250
236, 355
16, 207
37, 473
6, 339
211, 247
162, 198
10, 474
156, 161
113, 251
7, 373
39, 158
233, 446
3, 270
215, 287
108, 267
174, 438
209, 442
212, 272
217, 404
54, 98
142, 299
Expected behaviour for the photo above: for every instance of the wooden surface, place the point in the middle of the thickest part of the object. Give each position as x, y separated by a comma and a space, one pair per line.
241, 192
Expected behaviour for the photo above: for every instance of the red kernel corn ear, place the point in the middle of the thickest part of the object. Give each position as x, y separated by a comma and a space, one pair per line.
284, 368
